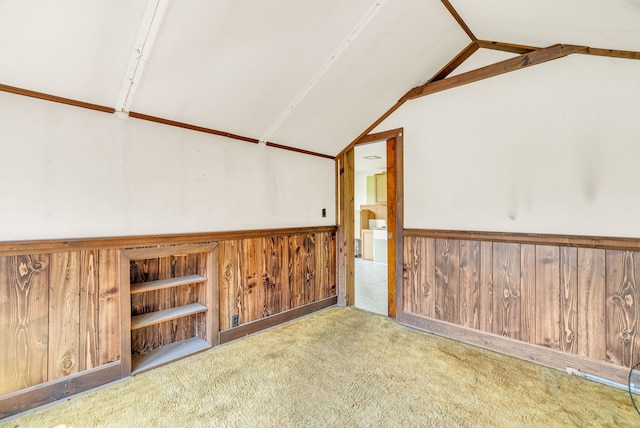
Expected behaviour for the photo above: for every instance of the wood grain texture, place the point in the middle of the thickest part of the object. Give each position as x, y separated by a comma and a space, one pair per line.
548, 296
591, 303
447, 293
486, 287
528, 293
89, 306
578, 301
568, 299
29, 280
109, 317
622, 307
507, 302
470, 284
261, 277
64, 325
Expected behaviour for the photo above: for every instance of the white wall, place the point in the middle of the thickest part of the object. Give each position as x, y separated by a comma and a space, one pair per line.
553, 148
68, 172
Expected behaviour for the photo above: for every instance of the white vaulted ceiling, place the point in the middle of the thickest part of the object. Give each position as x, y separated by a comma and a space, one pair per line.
306, 74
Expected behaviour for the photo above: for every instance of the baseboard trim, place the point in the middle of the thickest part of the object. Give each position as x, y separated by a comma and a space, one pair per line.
274, 320
20, 401
514, 348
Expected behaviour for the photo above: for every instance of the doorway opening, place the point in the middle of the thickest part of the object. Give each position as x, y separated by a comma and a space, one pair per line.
346, 219
370, 227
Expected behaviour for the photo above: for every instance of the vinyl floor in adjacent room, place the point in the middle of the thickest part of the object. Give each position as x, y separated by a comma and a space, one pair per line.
344, 367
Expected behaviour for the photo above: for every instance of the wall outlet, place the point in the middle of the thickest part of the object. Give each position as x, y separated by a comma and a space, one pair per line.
324, 212
234, 320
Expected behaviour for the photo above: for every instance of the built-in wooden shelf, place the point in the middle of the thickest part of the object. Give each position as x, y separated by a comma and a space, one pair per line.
151, 318
167, 353
142, 287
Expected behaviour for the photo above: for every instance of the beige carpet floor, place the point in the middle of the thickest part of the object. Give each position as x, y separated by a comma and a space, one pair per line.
344, 367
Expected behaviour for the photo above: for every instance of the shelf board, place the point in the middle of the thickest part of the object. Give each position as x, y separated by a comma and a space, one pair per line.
151, 318
142, 287
167, 353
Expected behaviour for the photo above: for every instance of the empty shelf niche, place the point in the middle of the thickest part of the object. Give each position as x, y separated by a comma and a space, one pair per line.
170, 302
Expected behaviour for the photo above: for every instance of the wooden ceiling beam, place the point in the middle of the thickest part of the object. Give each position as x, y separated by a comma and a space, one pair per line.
525, 60
455, 62
459, 19
613, 53
506, 47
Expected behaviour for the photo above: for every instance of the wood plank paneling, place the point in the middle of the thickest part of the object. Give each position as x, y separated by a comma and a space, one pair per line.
574, 300
470, 284
486, 287
591, 303
568, 299
548, 296
447, 292
9, 318
507, 313
622, 307
411, 283
228, 275
89, 306
64, 325
109, 326
528, 292
30, 282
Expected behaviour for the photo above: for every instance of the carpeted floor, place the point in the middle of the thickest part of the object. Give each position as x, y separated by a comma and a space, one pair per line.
344, 367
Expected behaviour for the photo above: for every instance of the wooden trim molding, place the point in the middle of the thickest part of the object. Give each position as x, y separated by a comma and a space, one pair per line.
149, 118
55, 99
11, 248
526, 351
197, 128
600, 242
45, 393
272, 321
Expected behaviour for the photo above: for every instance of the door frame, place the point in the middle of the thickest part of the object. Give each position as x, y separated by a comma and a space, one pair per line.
395, 219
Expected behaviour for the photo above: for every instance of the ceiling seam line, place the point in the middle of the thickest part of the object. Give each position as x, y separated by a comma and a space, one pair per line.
324, 68
144, 42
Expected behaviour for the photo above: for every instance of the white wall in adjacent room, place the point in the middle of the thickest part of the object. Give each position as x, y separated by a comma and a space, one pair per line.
553, 148
68, 172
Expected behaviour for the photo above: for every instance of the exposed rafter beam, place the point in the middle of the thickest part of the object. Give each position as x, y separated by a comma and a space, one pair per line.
525, 60
614, 53
506, 47
459, 19
455, 62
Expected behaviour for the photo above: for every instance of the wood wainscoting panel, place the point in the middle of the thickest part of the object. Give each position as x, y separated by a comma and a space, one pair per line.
623, 343
264, 276
547, 302
574, 299
591, 323
507, 302
470, 284
109, 326
64, 301
25, 316
447, 292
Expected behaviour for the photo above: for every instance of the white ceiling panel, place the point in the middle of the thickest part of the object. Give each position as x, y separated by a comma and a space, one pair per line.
71, 48
607, 24
234, 65
404, 45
